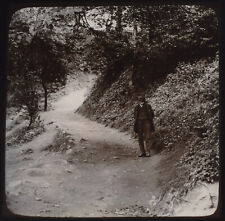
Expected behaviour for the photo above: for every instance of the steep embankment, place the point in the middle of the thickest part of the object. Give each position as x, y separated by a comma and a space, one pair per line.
186, 105
184, 102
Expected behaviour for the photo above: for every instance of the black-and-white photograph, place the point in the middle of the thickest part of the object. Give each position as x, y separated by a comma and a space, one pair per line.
113, 111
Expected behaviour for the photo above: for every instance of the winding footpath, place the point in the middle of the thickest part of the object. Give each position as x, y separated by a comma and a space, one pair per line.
100, 173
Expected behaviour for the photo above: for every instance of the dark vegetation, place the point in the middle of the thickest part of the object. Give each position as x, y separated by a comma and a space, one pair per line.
174, 63
62, 142
35, 63
177, 34
45, 61
24, 134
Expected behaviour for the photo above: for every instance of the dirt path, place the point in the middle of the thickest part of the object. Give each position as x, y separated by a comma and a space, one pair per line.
102, 173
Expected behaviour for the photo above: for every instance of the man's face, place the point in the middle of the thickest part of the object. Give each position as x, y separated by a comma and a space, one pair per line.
141, 99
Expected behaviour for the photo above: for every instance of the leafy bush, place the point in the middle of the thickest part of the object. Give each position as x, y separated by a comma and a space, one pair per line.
190, 113
63, 142
110, 57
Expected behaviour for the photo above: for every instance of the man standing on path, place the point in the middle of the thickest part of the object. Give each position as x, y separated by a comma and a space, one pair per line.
144, 126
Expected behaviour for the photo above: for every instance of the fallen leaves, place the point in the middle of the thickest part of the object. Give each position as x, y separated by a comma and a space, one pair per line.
130, 211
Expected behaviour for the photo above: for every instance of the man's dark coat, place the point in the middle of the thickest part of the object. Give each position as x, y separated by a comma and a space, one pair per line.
150, 114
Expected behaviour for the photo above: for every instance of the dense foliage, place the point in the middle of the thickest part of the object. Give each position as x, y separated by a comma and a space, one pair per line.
177, 70
45, 61
151, 36
35, 61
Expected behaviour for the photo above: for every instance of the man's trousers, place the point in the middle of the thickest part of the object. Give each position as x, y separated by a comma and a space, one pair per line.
144, 135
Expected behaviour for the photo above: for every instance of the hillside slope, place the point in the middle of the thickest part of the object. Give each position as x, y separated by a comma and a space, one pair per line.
186, 105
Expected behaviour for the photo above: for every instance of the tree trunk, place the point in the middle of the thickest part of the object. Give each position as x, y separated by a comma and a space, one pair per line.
46, 96
109, 21
150, 27
135, 27
135, 32
119, 20
31, 121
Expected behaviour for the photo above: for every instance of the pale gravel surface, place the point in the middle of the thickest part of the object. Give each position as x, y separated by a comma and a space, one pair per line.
106, 173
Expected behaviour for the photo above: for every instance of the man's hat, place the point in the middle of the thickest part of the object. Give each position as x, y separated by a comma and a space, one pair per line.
141, 96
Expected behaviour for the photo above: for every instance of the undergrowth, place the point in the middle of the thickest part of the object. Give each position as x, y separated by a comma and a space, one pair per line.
62, 142
26, 134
